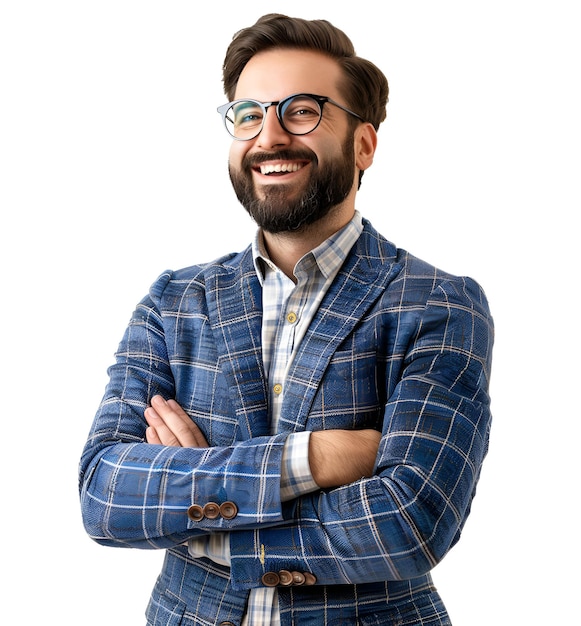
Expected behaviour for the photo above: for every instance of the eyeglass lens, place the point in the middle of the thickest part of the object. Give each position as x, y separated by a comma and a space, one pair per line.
298, 115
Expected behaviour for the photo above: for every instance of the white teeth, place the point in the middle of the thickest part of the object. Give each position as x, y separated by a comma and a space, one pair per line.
284, 167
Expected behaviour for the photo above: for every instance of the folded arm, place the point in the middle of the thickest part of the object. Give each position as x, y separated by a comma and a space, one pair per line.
336, 457
140, 475
396, 523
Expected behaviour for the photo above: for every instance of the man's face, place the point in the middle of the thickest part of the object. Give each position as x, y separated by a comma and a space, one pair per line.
286, 181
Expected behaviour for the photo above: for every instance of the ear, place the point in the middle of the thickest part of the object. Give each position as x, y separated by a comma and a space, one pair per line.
365, 144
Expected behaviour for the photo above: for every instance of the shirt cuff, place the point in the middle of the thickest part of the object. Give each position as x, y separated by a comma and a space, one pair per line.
215, 547
295, 476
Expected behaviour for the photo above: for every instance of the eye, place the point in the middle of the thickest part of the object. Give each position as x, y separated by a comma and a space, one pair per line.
301, 109
246, 114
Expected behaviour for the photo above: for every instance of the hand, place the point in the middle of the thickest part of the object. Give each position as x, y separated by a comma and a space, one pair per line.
340, 457
170, 425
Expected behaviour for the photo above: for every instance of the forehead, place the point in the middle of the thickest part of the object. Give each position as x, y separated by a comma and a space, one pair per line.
275, 74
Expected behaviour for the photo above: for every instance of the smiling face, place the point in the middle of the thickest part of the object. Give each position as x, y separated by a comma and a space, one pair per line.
287, 182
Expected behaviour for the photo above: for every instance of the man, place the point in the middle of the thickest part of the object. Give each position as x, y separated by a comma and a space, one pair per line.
301, 425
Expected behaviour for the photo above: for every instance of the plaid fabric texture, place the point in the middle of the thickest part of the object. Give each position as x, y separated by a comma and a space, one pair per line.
395, 344
288, 309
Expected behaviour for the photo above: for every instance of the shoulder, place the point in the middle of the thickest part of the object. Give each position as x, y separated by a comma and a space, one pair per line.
172, 286
417, 280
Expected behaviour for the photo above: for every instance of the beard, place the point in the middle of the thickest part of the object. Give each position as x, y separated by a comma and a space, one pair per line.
276, 212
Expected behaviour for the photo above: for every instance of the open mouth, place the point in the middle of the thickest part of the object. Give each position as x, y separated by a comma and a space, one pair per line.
269, 169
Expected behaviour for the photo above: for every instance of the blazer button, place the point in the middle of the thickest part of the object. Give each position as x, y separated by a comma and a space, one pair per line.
298, 578
196, 513
227, 624
286, 578
228, 510
211, 510
270, 579
310, 579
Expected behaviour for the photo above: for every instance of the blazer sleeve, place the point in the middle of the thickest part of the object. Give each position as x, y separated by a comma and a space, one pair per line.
399, 523
140, 495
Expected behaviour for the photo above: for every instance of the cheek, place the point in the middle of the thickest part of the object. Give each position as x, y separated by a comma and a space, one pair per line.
236, 154
326, 146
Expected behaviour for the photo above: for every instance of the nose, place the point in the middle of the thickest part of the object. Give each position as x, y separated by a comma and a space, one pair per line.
272, 134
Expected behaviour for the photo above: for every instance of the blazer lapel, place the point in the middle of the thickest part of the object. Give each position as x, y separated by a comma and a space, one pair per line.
360, 282
234, 298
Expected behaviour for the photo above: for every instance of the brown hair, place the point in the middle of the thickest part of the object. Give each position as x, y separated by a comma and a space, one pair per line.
364, 87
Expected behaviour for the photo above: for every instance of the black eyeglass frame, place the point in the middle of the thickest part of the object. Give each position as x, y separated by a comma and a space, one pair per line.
321, 100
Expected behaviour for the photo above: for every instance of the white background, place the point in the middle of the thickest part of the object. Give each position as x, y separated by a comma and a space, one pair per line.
113, 168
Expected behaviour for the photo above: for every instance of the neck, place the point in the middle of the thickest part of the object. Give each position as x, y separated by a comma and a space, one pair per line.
286, 249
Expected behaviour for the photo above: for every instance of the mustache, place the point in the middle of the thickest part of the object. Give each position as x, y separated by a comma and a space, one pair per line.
250, 161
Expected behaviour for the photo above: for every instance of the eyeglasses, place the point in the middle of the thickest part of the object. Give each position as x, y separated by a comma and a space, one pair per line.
298, 114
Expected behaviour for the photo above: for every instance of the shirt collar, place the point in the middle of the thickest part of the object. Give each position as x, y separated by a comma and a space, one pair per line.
328, 256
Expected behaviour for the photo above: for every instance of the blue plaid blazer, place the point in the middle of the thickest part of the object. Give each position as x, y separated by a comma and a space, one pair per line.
396, 345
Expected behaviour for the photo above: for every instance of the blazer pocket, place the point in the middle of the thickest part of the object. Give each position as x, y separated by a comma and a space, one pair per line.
164, 609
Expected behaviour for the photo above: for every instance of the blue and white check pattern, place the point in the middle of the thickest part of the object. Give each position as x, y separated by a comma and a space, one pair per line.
396, 344
288, 309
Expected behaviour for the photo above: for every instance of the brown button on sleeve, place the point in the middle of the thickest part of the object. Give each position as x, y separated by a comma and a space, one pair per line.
298, 578
196, 513
211, 510
286, 578
270, 579
228, 510
310, 579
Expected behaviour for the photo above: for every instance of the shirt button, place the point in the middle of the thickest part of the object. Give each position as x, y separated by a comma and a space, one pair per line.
228, 510
270, 579
277, 389
196, 513
211, 510
291, 318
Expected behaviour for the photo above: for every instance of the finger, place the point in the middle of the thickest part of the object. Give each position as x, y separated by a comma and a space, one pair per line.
151, 435
178, 424
163, 434
193, 428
